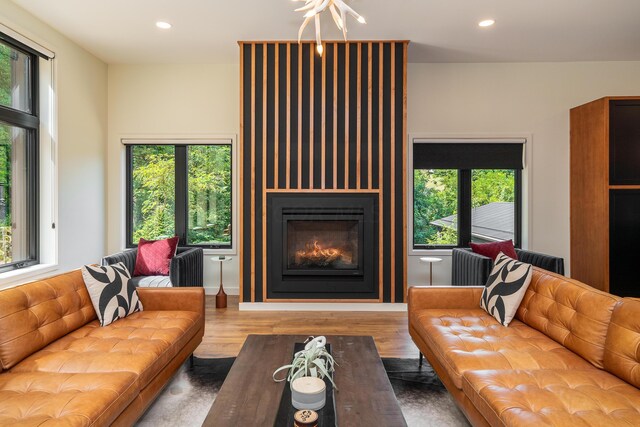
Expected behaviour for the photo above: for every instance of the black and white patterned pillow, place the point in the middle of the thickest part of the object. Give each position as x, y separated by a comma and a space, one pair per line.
112, 294
505, 288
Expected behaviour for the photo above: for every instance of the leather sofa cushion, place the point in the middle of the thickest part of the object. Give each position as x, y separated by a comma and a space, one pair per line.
142, 343
570, 312
38, 313
553, 397
471, 339
37, 399
622, 348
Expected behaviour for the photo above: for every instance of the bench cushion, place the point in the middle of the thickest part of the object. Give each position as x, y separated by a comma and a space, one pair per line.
37, 399
142, 343
151, 282
471, 339
553, 397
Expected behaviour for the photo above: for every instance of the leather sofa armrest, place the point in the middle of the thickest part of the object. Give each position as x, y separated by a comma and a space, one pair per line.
433, 297
172, 299
186, 268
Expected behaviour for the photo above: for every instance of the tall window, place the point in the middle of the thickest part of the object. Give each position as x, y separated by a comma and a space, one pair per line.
180, 190
466, 192
19, 123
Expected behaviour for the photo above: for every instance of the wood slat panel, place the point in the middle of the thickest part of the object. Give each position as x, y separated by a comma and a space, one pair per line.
264, 164
381, 166
370, 115
276, 118
346, 115
404, 167
300, 116
311, 113
335, 116
273, 123
393, 172
359, 119
288, 156
241, 177
253, 172
323, 146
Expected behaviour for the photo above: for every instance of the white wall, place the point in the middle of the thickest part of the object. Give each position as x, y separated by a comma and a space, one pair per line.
81, 91
168, 101
460, 99
529, 98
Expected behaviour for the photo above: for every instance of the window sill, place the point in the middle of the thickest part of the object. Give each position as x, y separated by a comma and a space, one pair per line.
228, 251
429, 252
16, 277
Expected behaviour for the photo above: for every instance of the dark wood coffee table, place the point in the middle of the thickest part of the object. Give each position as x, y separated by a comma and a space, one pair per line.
250, 397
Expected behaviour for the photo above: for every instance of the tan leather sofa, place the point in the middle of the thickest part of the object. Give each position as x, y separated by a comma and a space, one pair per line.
59, 367
571, 357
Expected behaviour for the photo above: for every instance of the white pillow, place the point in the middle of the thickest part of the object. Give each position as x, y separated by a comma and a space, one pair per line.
505, 288
112, 294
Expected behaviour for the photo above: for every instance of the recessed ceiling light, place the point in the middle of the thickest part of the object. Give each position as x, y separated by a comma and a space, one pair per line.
486, 23
163, 25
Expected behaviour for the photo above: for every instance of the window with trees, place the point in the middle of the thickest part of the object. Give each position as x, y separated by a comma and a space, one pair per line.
466, 192
19, 124
180, 190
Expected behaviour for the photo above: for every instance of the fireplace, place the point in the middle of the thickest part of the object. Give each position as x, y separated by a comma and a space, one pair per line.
321, 246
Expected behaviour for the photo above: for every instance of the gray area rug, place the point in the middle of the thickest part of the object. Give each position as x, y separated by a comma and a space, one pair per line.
187, 399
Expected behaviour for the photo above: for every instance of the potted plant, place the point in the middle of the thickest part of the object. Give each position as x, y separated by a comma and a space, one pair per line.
313, 361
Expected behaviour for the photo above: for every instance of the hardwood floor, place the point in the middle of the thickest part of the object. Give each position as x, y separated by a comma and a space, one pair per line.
227, 329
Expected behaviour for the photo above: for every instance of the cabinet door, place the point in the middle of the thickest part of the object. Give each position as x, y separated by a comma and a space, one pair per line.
624, 142
624, 253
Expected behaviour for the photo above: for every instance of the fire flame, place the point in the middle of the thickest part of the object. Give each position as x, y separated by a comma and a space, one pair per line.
316, 254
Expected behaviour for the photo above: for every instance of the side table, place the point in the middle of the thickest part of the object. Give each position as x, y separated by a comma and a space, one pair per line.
430, 260
221, 297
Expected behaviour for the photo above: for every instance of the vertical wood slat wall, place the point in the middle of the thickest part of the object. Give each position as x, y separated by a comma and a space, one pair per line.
335, 123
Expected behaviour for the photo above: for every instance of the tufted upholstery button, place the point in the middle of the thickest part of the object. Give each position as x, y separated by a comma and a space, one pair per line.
31, 399
553, 397
484, 343
36, 314
142, 343
570, 312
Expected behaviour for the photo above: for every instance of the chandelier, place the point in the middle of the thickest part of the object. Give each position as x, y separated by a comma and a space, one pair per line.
339, 11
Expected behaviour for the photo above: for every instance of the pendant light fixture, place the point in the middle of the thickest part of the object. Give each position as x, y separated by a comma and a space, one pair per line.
339, 10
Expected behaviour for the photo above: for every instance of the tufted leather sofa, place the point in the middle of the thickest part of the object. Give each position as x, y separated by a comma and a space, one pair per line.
571, 357
59, 367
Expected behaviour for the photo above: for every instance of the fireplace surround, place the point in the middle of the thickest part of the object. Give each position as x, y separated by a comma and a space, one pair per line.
322, 246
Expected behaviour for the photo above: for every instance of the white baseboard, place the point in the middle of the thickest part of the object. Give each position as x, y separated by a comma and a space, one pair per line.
320, 306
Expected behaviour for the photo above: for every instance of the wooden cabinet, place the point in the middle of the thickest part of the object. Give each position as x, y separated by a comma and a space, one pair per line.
605, 194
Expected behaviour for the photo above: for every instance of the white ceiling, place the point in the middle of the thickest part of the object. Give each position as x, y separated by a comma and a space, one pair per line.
206, 31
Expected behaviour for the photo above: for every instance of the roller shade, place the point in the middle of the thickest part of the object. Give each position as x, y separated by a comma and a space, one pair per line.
468, 155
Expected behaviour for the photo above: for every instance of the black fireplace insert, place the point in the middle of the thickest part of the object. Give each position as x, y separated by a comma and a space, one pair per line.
322, 246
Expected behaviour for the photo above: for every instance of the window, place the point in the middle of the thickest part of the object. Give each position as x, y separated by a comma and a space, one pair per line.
19, 126
466, 192
180, 190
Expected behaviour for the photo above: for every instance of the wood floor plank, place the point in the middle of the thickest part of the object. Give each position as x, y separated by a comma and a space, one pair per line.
227, 329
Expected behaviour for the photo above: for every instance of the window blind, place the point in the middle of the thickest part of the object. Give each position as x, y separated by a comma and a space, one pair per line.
468, 155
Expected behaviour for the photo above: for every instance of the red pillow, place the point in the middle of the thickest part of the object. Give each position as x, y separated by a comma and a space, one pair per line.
493, 249
154, 256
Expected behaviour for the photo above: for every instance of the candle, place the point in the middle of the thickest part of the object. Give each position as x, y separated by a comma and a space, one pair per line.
305, 418
308, 393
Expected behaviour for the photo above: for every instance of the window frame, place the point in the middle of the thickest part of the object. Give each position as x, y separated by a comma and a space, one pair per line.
181, 187
521, 192
30, 122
